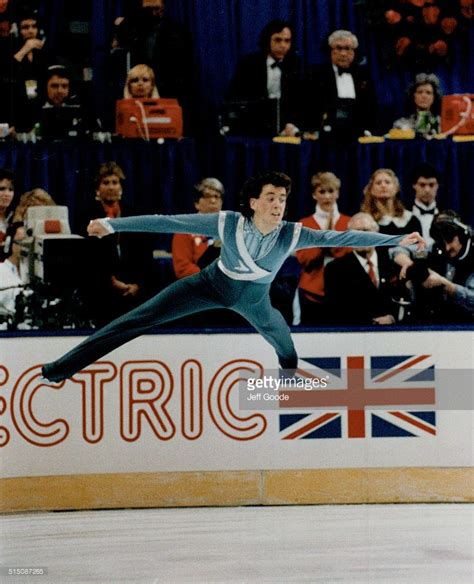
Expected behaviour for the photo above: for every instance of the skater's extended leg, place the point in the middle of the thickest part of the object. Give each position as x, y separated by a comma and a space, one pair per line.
181, 298
269, 322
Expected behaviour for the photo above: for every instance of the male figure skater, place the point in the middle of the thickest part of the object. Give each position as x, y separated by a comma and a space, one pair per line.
255, 243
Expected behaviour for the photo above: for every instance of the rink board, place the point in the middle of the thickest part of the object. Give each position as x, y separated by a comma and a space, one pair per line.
164, 422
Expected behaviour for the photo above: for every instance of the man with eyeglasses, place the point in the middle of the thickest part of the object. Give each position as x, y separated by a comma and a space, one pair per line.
341, 98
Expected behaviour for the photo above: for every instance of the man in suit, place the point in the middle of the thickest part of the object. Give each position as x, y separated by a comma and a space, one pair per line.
425, 182
359, 285
340, 95
270, 76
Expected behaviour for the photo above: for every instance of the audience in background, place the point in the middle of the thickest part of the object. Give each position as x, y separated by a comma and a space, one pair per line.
140, 83
423, 107
146, 35
325, 191
121, 265
12, 276
425, 183
34, 198
360, 285
193, 252
29, 65
340, 97
62, 114
382, 201
272, 74
7, 194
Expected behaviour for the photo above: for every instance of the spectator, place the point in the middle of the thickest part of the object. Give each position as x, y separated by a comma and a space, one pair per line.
423, 107
273, 73
341, 96
192, 253
121, 265
29, 67
140, 83
382, 201
359, 286
12, 277
425, 183
147, 35
325, 191
62, 114
7, 194
6, 74
34, 198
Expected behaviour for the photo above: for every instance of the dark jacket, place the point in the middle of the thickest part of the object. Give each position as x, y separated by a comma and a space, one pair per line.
250, 83
321, 103
350, 295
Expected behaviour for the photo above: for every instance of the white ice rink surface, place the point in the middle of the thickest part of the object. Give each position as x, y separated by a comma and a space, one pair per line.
373, 544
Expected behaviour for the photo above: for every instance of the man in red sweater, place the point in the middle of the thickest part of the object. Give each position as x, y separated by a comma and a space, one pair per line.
325, 191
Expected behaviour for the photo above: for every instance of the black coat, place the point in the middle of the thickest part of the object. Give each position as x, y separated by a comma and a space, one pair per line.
250, 83
321, 101
350, 295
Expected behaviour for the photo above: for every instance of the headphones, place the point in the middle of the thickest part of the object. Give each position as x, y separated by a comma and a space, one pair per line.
451, 219
446, 226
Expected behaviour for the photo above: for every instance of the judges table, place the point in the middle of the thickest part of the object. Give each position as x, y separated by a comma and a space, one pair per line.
160, 177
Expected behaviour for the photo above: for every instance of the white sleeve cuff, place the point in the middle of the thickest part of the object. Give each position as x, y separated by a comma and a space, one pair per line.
106, 223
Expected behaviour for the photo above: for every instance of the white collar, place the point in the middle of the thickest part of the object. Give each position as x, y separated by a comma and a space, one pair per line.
398, 221
320, 215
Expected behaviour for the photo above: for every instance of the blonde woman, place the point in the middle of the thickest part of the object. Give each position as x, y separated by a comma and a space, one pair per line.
140, 83
382, 201
34, 198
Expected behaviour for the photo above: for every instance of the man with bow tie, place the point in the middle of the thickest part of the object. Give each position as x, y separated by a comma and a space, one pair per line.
270, 77
425, 182
340, 95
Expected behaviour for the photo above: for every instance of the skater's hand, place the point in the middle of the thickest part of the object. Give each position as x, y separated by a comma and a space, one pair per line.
97, 229
414, 239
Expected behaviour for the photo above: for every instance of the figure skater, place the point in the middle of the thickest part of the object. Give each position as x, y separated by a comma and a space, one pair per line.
255, 243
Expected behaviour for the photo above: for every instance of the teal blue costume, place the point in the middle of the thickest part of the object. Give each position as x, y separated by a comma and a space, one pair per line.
239, 280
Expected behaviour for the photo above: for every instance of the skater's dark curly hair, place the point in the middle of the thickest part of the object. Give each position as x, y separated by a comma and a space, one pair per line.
253, 187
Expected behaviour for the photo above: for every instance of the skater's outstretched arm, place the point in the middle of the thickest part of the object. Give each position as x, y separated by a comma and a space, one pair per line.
204, 224
353, 238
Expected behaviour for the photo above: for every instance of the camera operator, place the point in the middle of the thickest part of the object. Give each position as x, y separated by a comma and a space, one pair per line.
443, 281
12, 277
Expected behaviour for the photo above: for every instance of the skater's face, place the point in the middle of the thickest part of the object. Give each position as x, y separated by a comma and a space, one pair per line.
326, 197
110, 189
269, 208
426, 190
209, 202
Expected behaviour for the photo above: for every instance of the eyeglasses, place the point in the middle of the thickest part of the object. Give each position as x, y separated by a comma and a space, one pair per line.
211, 196
342, 48
137, 79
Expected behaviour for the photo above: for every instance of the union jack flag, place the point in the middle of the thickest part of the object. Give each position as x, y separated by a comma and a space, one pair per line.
387, 396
